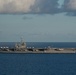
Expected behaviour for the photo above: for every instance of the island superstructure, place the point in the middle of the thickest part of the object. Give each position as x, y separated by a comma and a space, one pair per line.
20, 46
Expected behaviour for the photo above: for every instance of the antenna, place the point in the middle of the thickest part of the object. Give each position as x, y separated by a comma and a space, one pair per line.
21, 39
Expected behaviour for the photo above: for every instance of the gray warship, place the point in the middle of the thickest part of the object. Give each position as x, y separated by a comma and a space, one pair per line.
22, 48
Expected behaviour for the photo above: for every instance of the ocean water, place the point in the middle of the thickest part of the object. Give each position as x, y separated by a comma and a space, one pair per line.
37, 64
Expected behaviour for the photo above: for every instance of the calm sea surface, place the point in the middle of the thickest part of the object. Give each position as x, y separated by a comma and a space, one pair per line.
38, 64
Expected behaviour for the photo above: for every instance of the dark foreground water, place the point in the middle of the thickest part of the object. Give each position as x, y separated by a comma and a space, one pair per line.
37, 64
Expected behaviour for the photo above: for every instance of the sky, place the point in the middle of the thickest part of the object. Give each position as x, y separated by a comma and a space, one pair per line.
38, 20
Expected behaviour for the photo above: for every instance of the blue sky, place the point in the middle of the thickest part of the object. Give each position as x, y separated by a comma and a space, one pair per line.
38, 27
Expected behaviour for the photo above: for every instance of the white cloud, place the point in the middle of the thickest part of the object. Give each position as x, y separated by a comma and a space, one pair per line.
16, 6
71, 4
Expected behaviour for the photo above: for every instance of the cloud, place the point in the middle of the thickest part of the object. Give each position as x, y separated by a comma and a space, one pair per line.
29, 6
45, 7
37, 7
15, 6
70, 7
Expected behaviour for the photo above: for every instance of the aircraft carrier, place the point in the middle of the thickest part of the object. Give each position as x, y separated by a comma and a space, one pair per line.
22, 48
